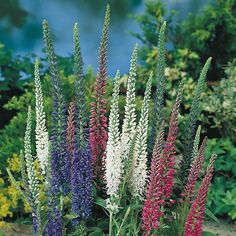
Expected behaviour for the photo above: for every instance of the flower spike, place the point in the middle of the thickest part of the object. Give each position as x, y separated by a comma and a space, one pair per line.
157, 117
139, 162
195, 217
98, 120
42, 139
33, 188
194, 173
81, 158
114, 165
59, 151
191, 125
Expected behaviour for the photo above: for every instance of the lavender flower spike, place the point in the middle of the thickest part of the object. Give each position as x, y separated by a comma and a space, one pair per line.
81, 161
59, 151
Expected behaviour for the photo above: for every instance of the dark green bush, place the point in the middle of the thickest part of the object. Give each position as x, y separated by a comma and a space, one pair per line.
222, 195
220, 104
211, 33
15, 74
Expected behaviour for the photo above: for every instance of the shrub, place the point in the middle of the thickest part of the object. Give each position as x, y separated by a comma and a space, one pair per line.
214, 25
221, 105
10, 198
15, 73
222, 193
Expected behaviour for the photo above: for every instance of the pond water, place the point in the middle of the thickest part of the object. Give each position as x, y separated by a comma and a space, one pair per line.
21, 26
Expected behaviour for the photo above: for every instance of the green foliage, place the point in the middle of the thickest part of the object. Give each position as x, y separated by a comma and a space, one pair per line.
11, 13
11, 137
10, 194
221, 104
150, 23
213, 33
15, 75
222, 195
178, 60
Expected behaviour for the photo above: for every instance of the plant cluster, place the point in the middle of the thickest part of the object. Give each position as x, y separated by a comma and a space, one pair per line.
102, 163
222, 198
214, 23
221, 104
10, 197
207, 35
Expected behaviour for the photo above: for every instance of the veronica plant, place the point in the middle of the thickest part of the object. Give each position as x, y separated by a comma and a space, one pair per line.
139, 200
81, 160
59, 150
160, 88
98, 121
126, 160
42, 142
32, 179
190, 129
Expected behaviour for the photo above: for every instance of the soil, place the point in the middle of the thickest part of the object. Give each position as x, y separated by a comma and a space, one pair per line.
220, 229
17, 230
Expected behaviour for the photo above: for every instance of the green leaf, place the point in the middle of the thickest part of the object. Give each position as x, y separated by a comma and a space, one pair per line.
96, 233
14, 182
71, 216
95, 229
205, 233
100, 202
211, 215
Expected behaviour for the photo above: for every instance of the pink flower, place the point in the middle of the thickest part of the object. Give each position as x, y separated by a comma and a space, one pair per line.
151, 209
193, 225
98, 122
161, 178
71, 128
194, 173
169, 149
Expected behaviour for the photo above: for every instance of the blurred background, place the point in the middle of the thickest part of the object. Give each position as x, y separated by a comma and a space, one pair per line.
197, 29
21, 25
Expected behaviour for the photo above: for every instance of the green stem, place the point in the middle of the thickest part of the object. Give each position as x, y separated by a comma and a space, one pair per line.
110, 224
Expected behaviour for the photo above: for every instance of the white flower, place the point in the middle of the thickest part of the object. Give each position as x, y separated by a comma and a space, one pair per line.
42, 143
129, 125
113, 171
139, 162
29, 161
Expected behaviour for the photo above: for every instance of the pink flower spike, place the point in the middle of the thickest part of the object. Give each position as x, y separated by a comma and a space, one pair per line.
194, 172
193, 225
98, 122
161, 178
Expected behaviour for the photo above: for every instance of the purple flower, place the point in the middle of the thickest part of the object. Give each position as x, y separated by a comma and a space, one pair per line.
55, 225
81, 157
60, 174
81, 183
